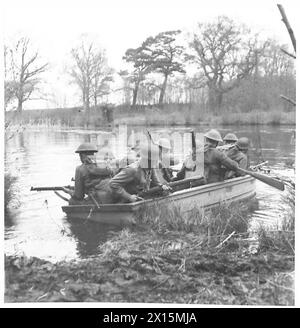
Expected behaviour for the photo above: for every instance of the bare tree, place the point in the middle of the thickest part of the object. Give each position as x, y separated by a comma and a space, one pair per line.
90, 72
22, 72
293, 39
103, 75
225, 54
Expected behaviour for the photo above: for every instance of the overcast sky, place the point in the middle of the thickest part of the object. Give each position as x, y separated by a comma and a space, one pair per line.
54, 26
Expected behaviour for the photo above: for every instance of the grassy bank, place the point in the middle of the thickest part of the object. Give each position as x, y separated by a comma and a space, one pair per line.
169, 259
169, 114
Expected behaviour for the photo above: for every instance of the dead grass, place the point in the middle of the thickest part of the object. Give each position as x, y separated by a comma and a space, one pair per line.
173, 261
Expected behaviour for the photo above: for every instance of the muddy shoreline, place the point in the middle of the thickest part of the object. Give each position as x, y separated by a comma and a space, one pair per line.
157, 268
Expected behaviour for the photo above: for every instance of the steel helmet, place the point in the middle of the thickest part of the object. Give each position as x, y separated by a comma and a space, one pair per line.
213, 135
164, 143
146, 150
86, 147
230, 137
243, 143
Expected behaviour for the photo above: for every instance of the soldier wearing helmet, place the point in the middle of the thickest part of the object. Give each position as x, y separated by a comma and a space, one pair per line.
88, 176
165, 173
214, 159
138, 176
230, 139
238, 153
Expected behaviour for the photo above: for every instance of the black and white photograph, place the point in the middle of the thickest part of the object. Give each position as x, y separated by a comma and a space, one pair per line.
149, 153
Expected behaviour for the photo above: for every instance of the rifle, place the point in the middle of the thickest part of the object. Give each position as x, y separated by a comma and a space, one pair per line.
225, 147
258, 165
176, 185
50, 188
193, 145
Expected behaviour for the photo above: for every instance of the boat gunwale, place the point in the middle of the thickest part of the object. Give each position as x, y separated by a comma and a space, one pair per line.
185, 192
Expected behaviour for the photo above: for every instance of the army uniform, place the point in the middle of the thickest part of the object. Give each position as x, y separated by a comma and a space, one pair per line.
235, 153
88, 179
131, 180
164, 172
213, 162
88, 176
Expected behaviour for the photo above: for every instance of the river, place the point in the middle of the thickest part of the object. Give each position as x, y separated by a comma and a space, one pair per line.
41, 157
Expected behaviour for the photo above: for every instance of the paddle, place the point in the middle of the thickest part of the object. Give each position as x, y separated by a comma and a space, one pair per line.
263, 178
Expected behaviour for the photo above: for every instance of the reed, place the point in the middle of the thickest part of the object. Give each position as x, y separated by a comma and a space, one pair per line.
282, 239
168, 114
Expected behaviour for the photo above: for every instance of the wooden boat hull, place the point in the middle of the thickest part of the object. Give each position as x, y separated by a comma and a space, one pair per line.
205, 196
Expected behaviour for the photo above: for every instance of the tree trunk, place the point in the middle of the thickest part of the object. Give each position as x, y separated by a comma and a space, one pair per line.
163, 90
215, 100
135, 93
95, 101
219, 96
20, 105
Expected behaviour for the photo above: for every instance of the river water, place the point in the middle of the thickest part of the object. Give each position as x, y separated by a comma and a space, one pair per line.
41, 157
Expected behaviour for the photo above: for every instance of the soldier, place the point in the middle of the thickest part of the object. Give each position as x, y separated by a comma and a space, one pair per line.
239, 154
230, 139
136, 177
88, 176
132, 155
214, 159
165, 173
105, 153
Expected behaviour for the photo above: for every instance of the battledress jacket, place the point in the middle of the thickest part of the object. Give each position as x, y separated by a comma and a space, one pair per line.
87, 177
240, 158
131, 180
214, 159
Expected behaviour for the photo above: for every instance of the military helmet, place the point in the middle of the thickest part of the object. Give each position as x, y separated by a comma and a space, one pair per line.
230, 137
243, 143
86, 148
213, 135
164, 143
147, 151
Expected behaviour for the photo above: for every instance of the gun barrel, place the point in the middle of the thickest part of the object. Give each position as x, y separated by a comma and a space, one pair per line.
50, 188
185, 183
259, 165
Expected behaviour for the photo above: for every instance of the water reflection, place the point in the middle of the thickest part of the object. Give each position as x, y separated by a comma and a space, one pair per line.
47, 158
89, 235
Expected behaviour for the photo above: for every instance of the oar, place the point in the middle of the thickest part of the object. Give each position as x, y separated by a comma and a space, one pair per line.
263, 178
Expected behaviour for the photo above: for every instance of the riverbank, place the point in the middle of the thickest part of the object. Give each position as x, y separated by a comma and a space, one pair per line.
169, 114
211, 260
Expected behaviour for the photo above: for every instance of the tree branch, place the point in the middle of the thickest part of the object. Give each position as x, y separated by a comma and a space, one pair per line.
287, 24
288, 100
288, 53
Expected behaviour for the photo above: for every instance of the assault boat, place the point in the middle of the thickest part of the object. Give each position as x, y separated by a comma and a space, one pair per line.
203, 197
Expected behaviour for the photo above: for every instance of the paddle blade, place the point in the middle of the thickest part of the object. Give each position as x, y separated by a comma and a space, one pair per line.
268, 180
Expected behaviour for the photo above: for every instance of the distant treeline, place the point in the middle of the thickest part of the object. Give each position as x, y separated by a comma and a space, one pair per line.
222, 66
168, 114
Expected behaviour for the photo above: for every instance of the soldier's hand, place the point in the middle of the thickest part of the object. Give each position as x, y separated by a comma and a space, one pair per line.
134, 198
166, 188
